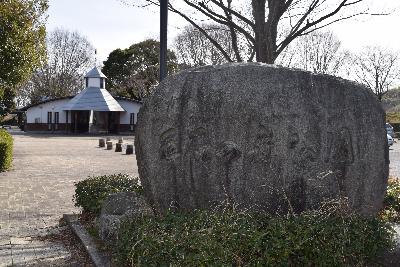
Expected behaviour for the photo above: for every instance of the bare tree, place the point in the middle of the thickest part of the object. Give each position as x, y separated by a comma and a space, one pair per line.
261, 29
194, 49
69, 57
319, 52
377, 68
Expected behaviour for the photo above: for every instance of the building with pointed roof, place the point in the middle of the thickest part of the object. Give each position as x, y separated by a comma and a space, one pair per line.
93, 110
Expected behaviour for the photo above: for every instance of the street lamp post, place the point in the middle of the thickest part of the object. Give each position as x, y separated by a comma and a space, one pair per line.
163, 38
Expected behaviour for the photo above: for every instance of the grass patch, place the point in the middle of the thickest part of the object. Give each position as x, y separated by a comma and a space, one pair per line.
206, 238
330, 236
391, 209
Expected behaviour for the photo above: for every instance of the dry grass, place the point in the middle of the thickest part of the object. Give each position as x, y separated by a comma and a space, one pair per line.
393, 117
393, 179
72, 244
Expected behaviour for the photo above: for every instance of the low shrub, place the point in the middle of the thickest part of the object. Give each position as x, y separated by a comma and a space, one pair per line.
6, 150
90, 193
205, 238
391, 210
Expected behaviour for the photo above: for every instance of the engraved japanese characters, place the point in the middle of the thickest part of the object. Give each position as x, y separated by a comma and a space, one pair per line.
263, 138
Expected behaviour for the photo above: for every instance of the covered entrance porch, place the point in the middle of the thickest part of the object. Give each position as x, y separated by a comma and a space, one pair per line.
93, 110
90, 121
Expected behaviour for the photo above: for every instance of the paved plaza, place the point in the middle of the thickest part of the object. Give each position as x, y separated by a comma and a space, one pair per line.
39, 189
394, 157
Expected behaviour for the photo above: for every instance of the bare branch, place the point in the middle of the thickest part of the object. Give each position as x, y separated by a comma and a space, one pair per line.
260, 28
214, 42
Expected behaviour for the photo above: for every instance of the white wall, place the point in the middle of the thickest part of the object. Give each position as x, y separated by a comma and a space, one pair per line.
130, 107
40, 111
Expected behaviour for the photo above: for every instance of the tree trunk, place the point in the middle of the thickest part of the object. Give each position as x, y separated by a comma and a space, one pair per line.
270, 42
259, 31
266, 32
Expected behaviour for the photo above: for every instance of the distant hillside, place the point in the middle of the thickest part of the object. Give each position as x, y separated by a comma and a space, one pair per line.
391, 100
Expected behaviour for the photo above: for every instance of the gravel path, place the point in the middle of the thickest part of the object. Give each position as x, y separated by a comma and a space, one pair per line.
39, 189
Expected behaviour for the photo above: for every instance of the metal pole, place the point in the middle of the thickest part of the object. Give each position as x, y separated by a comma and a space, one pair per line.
163, 38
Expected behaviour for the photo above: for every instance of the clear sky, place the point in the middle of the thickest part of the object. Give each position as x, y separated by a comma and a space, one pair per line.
111, 24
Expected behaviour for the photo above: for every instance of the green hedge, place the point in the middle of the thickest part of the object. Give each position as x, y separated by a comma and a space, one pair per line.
391, 209
239, 239
6, 150
90, 193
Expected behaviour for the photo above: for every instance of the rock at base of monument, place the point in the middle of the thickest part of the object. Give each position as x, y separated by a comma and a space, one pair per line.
108, 226
261, 137
116, 208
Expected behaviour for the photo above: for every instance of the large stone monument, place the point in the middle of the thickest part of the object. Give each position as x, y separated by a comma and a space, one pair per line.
263, 138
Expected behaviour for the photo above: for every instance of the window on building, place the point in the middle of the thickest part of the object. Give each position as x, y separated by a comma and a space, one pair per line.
56, 120
87, 82
132, 121
101, 83
49, 119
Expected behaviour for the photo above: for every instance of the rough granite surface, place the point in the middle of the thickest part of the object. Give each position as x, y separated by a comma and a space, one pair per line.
261, 137
118, 207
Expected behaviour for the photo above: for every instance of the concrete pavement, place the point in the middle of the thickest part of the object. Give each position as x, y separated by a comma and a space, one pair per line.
39, 189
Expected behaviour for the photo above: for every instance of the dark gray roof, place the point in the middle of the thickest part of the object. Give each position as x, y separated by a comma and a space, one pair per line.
70, 97
93, 98
95, 73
